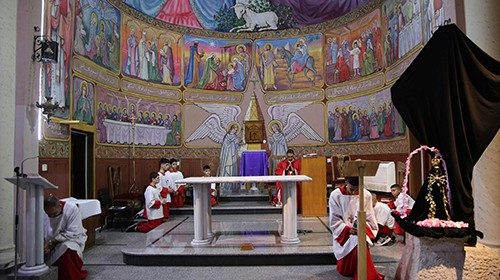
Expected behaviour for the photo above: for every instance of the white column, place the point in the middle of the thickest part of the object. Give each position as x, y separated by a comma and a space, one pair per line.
289, 213
482, 26
210, 233
8, 13
199, 215
485, 178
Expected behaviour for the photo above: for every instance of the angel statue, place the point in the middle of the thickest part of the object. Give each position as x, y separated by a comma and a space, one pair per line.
286, 125
222, 127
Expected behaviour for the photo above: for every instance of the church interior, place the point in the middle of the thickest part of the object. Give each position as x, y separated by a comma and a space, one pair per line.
95, 93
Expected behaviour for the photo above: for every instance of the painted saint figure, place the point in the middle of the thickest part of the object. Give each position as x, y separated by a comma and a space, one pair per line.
192, 73
83, 109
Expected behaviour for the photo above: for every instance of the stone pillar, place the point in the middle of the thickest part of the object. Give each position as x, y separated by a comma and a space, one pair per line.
486, 193
431, 258
27, 134
8, 12
482, 26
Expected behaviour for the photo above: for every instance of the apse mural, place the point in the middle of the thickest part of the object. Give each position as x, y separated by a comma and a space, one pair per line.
258, 15
354, 50
402, 20
366, 118
56, 75
97, 35
149, 53
123, 119
287, 125
433, 16
83, 100
293, 63
216, 64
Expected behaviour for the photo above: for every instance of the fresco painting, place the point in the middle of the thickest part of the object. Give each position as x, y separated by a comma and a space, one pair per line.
402, 21
292, 63
58, 26
366, 118
97, 32
216, 64
83, 100
149, 53
354, 50
124, 119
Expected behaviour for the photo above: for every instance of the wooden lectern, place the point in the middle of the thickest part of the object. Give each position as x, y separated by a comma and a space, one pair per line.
34, 186
313, 193
361, 168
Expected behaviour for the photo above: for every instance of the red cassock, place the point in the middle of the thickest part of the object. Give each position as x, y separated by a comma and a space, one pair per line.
286, 167
179, 198
147, 226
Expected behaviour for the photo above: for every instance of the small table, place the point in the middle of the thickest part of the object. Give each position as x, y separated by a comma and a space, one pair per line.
202, 209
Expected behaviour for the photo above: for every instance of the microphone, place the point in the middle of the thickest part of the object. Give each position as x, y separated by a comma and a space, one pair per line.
22, 165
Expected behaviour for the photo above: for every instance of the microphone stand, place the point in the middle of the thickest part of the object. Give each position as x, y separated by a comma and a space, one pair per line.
19, 174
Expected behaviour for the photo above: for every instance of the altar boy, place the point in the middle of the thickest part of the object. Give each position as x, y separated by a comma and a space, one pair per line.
153, 205
179, 191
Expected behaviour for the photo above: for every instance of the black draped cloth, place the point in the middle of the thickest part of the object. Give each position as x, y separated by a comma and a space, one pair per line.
449, 97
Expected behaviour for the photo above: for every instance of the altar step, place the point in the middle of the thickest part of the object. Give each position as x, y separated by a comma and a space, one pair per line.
239, 240
233, 206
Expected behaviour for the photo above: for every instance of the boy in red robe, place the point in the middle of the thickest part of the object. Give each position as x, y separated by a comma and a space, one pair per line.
179, 191
164, 187
153, 205
344, 205
213, 189
288, 166
64, 237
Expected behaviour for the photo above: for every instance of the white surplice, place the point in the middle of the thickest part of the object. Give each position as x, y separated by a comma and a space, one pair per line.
67, 229
343, 212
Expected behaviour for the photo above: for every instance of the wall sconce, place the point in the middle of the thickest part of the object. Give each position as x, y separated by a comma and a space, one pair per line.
45, 49
47, 107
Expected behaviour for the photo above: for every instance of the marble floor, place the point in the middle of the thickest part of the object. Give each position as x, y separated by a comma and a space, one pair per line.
172, 238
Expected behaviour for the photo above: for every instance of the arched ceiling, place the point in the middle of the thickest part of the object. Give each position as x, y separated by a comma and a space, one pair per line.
221, 15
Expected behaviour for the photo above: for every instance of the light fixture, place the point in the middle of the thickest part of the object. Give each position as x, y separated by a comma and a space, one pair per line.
47, 107
44, 49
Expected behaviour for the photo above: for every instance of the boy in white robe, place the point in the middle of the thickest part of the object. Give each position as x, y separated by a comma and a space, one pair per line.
179, 194
344, 205
64, 237
153, 204
164, 187
385, 222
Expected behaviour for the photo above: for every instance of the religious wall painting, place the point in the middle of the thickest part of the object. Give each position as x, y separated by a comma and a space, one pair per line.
149, 53
216, 64
252, 15
433, 15
294, 124
125, 119
363, 119
354, 50
292, 63
83, 100
97, 32
56, 77
402, 25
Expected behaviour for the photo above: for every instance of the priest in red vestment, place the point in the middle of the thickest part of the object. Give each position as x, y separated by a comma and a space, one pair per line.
344, 205
64, 238
287, 166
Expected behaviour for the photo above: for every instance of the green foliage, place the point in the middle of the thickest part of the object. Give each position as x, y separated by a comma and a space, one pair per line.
226, 19
285, 16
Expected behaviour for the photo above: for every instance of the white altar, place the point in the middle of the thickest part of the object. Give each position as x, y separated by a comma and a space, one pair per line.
203, 211
145, 134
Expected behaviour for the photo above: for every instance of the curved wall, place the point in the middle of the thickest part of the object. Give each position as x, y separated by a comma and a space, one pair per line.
175, 91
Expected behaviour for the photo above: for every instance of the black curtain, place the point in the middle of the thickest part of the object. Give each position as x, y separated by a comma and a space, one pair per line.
449, 97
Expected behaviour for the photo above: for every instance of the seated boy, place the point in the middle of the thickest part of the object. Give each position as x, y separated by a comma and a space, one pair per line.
385, 222
398, 204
